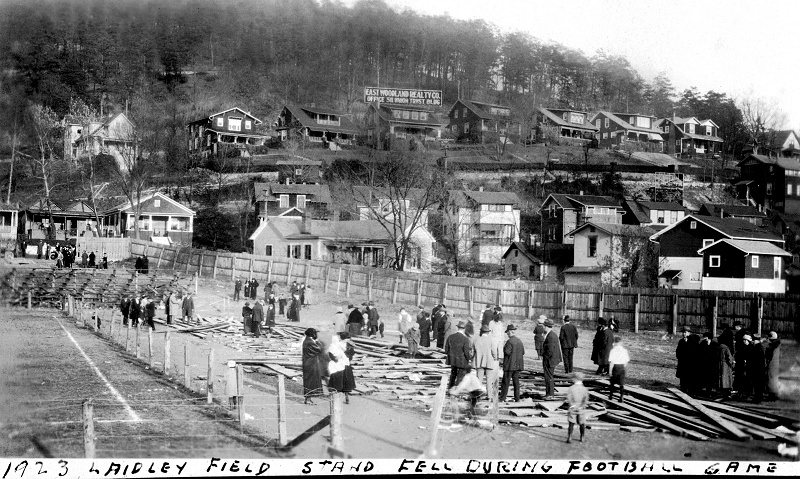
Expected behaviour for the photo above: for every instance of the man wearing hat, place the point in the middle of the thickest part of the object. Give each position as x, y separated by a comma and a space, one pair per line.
513, 363
458, 349
538, 335
424, 321
741, 381
601, 346
738, 336
686, 354
551, 357
484, 359
568, 337
487, 315
757, 367
247, 317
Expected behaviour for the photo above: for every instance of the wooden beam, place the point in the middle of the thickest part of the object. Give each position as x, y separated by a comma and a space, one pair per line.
713, 416
637, 312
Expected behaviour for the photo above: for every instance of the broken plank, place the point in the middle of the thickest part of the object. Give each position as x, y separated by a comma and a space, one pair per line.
712, 415
653, 419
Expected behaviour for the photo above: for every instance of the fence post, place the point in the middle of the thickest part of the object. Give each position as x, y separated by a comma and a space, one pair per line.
187, 379
269, 272
444, 293
471, 300
239, 389
496, 399
347, 286
636, 310
166, 353
96, 320
531, 295
88, 429
111, 324
210, 377
760, 314
214, 272
200, 263
714, 316
500, 297
419, 291
564, 302
338, 280
127, 336
160, 254
138, 346
327, 277
251, 268
233, 266
136, 282
308, 273
150, 346
394, 290
288, 274
674, 314
601, 305
196, 280
436, 413
337, 442
369, 286
282, 438
30, 299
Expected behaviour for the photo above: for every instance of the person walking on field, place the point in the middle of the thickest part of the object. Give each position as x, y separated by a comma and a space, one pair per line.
551, 357
458, 350
340, 368
484, 359
513, 363
312, 380
424, 321
568, 337
412, 337
294, 309
686, 354
355, 321
725, 365
258, 318
150, 313
247, 317
187, 308
247, 289
254, 289
269, 318
773, 357
237, 288
538, 335
135, 311
578, 400
618, 359
374, 320
487, 315
125, 308
601, 346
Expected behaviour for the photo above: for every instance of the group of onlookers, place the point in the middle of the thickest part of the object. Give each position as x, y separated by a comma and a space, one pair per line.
139, 307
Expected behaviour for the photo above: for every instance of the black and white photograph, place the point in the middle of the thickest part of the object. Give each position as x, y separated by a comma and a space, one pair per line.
325, 237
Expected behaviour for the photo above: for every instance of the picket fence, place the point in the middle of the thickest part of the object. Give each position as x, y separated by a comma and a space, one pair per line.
634, 308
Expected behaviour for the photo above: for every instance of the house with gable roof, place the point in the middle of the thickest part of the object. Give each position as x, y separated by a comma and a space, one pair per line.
233, 128
483, 223
616, 129
471, 119
771, 183
112, 136
656, 214
562, 213
783, 143
680, 264
389, 125
518, 260
742, 212
161, 219
292, 200
317, 125
570, 123
690, 137
359, 242
70, 219
744, 266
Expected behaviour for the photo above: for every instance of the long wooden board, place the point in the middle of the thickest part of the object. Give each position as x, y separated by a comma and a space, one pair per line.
714, 416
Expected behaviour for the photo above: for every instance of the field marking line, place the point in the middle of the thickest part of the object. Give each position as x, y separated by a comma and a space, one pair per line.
134, 417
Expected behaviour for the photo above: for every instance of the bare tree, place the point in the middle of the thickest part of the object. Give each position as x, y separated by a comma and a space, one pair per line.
632, 259
760, 118
45, 130
397, 190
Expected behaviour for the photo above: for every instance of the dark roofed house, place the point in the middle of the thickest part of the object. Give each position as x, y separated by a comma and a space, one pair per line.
562, 213
318, 125
616, 129
519, 261
656, 214
390, 125
70, 219
570, 123
744, 266
690, 137
292, 200
742, 212
233, 128
471, 120
773, 184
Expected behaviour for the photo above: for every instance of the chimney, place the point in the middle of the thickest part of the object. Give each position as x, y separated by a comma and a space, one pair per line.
304, 224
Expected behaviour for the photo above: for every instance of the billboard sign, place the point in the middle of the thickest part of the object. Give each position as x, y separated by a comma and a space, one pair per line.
403, 96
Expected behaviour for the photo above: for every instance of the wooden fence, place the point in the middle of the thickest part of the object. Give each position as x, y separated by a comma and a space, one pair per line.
635, 308
117, 249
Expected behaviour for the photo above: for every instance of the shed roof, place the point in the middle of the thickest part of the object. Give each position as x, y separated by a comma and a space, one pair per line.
749, 247
464, 197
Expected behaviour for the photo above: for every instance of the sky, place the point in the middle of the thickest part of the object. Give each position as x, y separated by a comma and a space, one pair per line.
744, 48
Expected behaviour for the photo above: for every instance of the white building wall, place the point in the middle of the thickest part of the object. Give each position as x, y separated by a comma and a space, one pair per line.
751, 285
688, 266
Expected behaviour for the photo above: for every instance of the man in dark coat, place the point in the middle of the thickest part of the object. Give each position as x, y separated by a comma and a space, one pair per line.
513, 363
374, 318
187, 307
441, 325
237, 288
458, 349
269, 318
568, 337
150, 313
538, 335
135, 311
726, 337
254, 289
355, 322
125, 308
741, 380
738, 337
247, 317
686, 354
92, 258
424, 322
247, 289
258, 318
757, 368
551, 357
601, 346
312, 353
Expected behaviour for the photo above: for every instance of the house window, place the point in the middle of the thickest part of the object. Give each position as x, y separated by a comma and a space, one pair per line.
514, 269
695, 276
516, 254
788, 189
690, 126
235, 124
660, 216
693, 225
284, 201
708, 130
455, 113
397, 114
707, 242
423, 115
415, 115
157, 203
301, 201
592, 253
220, 122
673, 217
714, 261
466, 128
296, 251
769, 188
307, 251
268, 250
298, 172
406, 114
754, 261
597, 123
248, 124
776, 267
606, 123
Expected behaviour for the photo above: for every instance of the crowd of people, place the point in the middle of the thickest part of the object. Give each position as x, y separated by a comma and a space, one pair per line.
737, 364
66, 256
140, 308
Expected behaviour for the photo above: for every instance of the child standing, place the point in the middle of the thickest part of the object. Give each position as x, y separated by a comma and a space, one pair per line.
618, 360
412, 336
578, 399
231, 386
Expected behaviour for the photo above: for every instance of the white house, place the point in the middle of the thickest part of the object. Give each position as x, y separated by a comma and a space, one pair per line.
483, 224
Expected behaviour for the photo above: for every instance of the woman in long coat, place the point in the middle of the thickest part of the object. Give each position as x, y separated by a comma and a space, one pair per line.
312, 381
247, 317
725, 365
294, 309
269, 317
258, 317
424, 322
